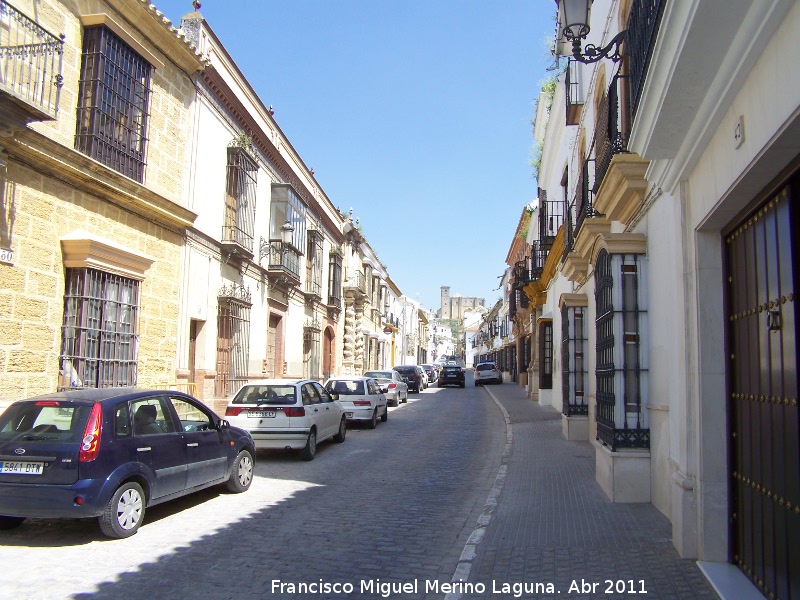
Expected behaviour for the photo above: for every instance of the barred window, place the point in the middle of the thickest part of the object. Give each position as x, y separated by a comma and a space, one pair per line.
113, 100
233, 340
335, 279
311, 351
546, 355
314, 264
99, 341
240, 198
573, 361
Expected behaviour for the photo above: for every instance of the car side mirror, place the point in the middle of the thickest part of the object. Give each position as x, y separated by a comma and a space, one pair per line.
384, 389
222, 424
333, 395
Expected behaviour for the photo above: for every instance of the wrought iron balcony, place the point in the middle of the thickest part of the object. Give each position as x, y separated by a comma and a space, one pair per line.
30, 68
580, 207
313, 290
283, 267
573, 96
357, 284
643, 25
236, 242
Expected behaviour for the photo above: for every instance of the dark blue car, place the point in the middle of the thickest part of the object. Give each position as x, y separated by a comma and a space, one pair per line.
110, 453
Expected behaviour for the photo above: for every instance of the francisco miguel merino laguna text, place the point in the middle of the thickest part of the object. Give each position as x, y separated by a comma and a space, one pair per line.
387, 589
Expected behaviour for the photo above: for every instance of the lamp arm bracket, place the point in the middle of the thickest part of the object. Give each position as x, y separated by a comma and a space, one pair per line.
592, 53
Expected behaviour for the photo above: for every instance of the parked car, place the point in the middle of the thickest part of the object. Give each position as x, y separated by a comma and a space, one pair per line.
413, 376
294, 414
487, 372
425, 381
394, 388
431, 373
452, 375
111, 453
361, 398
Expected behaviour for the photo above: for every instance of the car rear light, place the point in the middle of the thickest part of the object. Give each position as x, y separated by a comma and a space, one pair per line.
90, 444
361, 402
233, 411
391, 386
295, 411
48, 403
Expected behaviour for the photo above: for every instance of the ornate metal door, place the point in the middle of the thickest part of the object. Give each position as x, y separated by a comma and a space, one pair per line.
762, 252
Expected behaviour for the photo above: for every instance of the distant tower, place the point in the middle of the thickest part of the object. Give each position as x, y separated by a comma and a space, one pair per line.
445, 301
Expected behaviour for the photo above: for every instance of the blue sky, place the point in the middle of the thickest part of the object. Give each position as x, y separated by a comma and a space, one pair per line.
415, 113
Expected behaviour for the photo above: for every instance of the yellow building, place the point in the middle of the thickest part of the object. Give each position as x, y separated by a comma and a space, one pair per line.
94, 127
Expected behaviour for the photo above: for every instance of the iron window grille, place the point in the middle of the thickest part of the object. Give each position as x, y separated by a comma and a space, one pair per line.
335, 279
233, 339
314, 264
99, 341
619, 424
573, 363
240, 198
311, 349
113, 103
546, 355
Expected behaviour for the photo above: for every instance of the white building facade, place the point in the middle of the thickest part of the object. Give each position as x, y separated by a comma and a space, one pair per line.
673, 303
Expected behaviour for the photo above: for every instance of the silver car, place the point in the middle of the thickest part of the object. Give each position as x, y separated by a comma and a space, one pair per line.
395, 389
288, 413
361, 398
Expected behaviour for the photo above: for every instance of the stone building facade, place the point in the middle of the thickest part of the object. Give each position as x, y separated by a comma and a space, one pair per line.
93, 212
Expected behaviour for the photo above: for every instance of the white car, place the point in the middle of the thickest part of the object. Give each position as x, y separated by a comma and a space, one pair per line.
395, 389
487, 372
294, 414
361, 398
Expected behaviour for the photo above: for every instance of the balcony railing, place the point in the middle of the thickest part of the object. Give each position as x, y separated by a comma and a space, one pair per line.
580, 207
284, 261
612, 129
643, 24
30, 64
357, 282
572, 95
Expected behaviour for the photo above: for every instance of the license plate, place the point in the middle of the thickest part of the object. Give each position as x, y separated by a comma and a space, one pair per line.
21, 468
262, 414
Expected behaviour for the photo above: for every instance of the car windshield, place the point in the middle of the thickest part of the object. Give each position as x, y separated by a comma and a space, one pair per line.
346, 388
486, 367
266, 394
379, 374
406, 370
453, 369
45, 421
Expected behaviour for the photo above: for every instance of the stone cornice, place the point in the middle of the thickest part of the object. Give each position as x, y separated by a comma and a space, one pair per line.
85, 250
87, 175
623, 188
594, 235
573, 300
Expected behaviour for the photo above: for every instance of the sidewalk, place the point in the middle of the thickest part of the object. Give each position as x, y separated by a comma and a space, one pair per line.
553, 525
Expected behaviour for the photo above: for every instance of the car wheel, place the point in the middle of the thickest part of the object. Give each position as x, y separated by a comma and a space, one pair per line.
124, 511
385, 415
339, 437
463, 385
373, 422
310, 449
241, 473
10, 522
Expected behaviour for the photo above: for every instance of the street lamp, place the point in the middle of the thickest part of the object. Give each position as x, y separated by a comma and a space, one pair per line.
286, 232
573, 22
